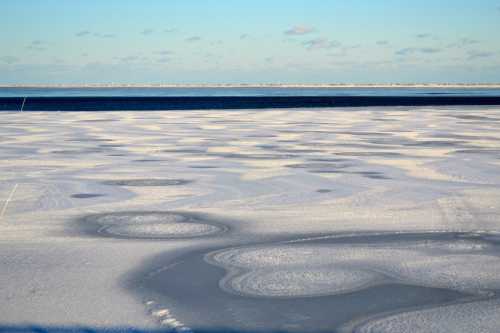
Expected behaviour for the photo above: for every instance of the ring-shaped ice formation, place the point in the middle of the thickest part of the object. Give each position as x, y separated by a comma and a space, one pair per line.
152, 225
467, 264
482, 316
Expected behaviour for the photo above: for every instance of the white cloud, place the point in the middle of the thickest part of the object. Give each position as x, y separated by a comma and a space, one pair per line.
9, 59
479, 54
412, 50
193, 39
82, 33
299, 30
320, 43
423, 36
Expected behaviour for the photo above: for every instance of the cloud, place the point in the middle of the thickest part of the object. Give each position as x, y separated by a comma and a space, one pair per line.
423, 36
413, 50
405, 51
382, 42
193, 39
147, 32
82, 33
299, 30
468, 41
9, 59
479, 54
99, 35
37, 45
244, 36
164, 52
170, 30
320, 43
463, 42
36, 48
429, 50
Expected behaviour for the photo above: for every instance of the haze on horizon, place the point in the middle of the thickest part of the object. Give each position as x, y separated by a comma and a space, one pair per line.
222, 41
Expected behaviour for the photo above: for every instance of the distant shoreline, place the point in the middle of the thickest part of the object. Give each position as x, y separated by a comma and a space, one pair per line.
265, 85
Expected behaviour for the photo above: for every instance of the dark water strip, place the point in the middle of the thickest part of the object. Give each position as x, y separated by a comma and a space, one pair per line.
230, 102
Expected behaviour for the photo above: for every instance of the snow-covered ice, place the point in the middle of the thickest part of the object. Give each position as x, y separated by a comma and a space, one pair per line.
364, 219
290, 270
152, 225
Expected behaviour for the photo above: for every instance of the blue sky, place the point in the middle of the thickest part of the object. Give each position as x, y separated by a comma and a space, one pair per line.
249, 41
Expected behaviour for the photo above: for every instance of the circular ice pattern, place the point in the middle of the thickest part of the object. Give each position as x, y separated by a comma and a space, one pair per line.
152, 225
466, 264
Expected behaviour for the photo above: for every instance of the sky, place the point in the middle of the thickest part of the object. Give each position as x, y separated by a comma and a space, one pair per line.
249, 41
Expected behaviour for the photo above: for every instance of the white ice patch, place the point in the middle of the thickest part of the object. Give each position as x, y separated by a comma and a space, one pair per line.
152, 225
317, 269
301, 282
147, 230
481, 317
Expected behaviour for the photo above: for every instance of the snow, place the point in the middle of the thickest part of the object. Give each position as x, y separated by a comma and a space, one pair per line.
88, 199
295, 270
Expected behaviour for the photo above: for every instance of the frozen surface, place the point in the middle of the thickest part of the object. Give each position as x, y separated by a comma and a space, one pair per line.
465, 265
153, 225
294, 220
468, 317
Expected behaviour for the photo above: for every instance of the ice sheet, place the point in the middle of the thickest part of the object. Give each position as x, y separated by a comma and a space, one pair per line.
88, 198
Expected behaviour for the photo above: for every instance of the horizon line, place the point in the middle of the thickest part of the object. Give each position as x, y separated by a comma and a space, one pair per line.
256, 85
